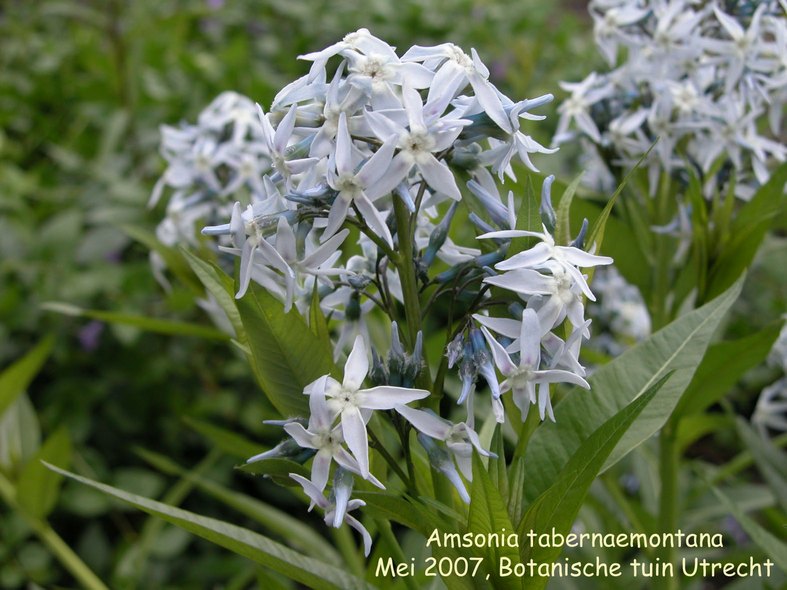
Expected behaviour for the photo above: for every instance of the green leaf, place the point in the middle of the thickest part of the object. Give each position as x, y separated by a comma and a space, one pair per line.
20, 434
277, 469
254, 546
226, 440
528, 218
404, 510
15, 379
218, 284
563, 228
747, 232
695, 426
516, 499
489, 514
771, 544
557, 507
723, 365
299, 535
678, 347
37, 488
317, 321
497, 467
142, 322
770, 460
285, 354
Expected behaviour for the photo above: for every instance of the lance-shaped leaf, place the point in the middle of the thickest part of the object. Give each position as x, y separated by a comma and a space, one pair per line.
489, 514
218, 284
558, 506
254, 546
747, 232
285, 354
15, 379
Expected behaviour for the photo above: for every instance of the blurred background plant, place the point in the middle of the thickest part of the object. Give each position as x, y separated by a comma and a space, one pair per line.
84, 87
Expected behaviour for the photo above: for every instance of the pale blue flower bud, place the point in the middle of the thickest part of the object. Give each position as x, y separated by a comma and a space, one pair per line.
439, 235
441, 460
579, 241
548, 216
342, 490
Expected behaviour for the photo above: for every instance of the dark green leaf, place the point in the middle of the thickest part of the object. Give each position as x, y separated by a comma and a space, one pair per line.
242, 541
298, 534
771, 461
722, 366
37, 488
489, 514
277, 469
142, 322
771, 544
285, 354
747, 232
15, 379
563, 228
557, 507
218, 284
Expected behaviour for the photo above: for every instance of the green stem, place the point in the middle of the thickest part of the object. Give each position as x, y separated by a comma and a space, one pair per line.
367, 231
661, 280
70, 560
376, 444
406, 266
669, 468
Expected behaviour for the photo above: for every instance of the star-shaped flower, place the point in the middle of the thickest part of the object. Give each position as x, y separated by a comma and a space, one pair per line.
354, 405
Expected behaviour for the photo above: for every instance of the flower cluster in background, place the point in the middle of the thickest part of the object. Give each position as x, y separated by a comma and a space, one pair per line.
210, 166
345, 189
620, 315
770, 414
709, 79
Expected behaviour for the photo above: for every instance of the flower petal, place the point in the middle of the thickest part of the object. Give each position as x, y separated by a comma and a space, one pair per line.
354, 432
321, 467
425, 422
387, 397
357, 366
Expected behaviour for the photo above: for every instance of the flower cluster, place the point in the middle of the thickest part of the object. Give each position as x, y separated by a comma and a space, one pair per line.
370, 153
620, 312
705, 77
210, 166
771, 410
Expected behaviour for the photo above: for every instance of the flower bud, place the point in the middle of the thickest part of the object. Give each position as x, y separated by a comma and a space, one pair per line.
548, 216
441, 460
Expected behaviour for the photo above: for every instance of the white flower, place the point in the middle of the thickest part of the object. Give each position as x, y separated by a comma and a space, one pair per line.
353, 188
332, 515
771, 409
522, 378
418, 144
577, 108
546, 253
353, 405
326, 439
460, 438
